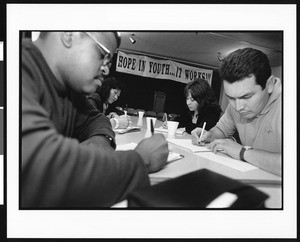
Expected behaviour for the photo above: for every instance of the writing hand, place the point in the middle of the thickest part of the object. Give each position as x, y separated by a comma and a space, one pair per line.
165, 125
227, 146
154, 151
196, 135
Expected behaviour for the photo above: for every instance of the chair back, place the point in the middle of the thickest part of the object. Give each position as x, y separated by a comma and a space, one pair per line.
159, 102
160, 116
131, 111
150, 114
172, 116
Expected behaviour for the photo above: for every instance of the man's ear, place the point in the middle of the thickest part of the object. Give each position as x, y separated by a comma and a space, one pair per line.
270, 84
66, 38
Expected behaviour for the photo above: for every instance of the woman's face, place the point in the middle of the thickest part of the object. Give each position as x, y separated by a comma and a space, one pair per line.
113, 96
191, 103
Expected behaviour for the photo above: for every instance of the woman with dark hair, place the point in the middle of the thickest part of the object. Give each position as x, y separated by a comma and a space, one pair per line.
106, 95
202, 106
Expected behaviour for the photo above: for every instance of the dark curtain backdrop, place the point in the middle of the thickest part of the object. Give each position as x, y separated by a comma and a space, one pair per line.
139, 91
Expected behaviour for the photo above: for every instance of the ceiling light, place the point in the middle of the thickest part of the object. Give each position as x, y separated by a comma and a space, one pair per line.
132, 39
220, 58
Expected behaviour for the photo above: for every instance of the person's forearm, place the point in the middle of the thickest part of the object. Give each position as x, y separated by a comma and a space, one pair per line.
98, 141
268, 161
216, 133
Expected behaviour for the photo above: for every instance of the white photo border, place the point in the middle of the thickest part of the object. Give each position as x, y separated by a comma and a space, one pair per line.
149, 223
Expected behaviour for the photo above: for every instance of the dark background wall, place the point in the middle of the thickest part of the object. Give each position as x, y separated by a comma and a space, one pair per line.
139, 91
1, 84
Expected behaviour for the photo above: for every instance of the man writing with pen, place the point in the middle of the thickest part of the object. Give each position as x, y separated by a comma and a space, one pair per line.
254, 111
68, 146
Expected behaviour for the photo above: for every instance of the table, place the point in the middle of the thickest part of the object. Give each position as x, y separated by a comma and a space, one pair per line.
260, 179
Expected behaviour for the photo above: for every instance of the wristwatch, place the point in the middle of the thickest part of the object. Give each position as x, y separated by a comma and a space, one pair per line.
111, 140
244, 148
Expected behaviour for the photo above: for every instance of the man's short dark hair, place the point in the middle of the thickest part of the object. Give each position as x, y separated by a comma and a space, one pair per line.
117, 35
242, 63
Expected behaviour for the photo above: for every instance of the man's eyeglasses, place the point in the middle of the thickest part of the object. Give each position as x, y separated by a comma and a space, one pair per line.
107, 52
107, 56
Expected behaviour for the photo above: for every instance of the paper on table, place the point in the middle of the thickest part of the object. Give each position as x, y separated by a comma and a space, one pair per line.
173, 156
219, 157
227, 161
162, 129
187, 143
128, 146
128, 129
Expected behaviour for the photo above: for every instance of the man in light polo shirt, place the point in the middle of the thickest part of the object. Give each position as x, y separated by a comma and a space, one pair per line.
254, 111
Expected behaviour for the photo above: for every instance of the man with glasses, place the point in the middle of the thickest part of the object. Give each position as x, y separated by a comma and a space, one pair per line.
68, 156
254, 110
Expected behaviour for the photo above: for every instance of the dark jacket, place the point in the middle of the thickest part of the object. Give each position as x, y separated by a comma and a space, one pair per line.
209, 114
57, 170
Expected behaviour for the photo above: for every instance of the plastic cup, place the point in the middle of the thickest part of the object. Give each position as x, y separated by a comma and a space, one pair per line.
141, 114
140, 122
172, 127
149, 123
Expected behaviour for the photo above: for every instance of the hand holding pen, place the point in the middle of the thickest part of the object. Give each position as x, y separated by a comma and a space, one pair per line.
202, 132
154, 150
200, 135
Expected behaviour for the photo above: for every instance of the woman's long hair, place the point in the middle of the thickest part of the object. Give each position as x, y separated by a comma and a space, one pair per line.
108, 84
202, 92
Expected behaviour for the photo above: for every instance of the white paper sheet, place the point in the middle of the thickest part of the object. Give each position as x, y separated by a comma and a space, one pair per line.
163, 130
219, 157
173, 156
187, 143
127, 130
227, 161
128, 146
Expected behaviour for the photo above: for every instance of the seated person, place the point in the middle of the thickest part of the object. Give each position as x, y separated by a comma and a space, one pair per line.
68, 156
254, 110
202, 106
106, 95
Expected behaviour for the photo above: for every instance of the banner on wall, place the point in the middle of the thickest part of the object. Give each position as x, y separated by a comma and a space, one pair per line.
163, 69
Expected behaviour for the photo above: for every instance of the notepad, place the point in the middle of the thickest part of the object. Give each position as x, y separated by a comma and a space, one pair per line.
128, 146
187, 143
228, 161
127, 130
164, 130
219, 157
173, 156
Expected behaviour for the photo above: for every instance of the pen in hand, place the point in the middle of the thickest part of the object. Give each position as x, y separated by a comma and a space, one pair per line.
202, 131
152, 127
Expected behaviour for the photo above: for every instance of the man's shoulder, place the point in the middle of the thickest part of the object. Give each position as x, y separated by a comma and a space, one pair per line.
28, 48
94, 96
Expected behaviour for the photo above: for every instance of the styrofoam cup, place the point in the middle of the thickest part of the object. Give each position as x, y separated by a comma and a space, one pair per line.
172, 127
141, 114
